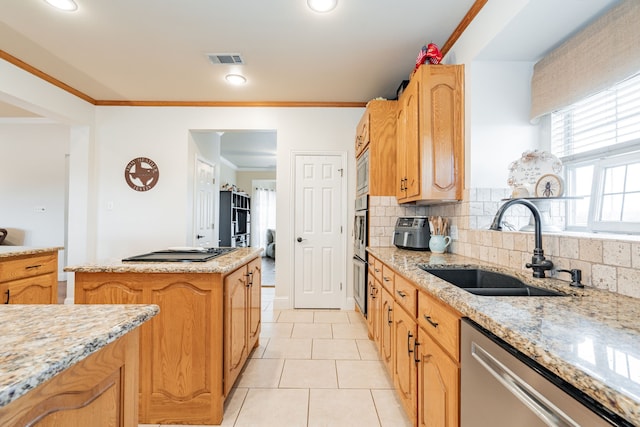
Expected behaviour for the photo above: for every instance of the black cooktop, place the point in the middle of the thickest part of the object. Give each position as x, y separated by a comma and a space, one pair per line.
180, 256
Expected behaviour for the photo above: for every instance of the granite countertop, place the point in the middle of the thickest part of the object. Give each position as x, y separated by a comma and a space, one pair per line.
222, 264
11, 251
591, 339
40, 341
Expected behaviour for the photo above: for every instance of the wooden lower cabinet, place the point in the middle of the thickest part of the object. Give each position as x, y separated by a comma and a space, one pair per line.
30, 279
387, 349
373, 308
405, 378
99, 391
201, 330
236, 349
242, 319
418, 341
438, 385
255, 302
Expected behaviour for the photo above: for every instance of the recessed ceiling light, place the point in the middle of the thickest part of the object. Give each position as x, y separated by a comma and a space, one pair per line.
66, 5
235, 79
322, 5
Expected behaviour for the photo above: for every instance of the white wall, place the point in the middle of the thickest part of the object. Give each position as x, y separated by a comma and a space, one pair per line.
499, 103
244, 179
33, 184
497, 96
158, 218
228, 174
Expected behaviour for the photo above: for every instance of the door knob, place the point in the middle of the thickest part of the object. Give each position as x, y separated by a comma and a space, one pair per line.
300, 239
199, 236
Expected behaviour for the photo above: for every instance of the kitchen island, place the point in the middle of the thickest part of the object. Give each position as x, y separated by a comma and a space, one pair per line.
589, 339
193, 351
70, 365
29, 275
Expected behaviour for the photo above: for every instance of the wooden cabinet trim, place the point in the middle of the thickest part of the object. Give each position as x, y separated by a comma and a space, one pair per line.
100, 390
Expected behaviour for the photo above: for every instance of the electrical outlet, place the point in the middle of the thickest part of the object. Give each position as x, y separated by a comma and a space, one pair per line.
453, 232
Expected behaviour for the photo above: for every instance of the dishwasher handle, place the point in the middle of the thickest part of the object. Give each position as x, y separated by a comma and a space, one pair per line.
544, 409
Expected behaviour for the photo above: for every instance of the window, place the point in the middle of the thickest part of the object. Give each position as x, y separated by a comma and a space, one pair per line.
598, 141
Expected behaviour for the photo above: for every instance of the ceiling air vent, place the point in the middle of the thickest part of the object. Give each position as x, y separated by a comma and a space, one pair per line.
226, 58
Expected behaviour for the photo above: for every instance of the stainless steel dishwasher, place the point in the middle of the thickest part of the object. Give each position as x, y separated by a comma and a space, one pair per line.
501, 387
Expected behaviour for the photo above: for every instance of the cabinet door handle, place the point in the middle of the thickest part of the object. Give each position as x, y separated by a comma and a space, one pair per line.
8, 296
386, 279
377, 270
415, 351
431, 322
33, 266
389, 310
402, 294
409, 349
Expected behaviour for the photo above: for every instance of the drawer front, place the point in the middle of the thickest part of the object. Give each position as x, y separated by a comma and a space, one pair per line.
377, 269
406, 295
441, 323
388, 279
28, 266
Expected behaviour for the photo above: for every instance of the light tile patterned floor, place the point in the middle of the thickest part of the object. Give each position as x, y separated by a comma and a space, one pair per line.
313, 368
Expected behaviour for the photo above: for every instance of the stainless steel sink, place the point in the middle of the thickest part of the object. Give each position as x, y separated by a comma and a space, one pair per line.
488, 283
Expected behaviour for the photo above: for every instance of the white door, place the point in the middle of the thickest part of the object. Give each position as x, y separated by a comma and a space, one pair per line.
204, 205
319, 261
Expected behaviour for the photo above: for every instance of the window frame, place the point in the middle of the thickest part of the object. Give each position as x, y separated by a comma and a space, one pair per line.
597, 196
601, 158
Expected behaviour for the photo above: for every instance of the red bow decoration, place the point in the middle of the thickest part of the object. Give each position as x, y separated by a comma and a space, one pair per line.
429, 52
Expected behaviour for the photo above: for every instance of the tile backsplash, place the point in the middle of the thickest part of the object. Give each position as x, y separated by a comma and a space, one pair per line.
607, 261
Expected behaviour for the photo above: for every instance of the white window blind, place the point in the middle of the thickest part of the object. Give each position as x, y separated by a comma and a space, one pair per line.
600, 125
598, 141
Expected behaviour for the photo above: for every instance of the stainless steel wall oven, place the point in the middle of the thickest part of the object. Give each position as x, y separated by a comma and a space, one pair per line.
360, 241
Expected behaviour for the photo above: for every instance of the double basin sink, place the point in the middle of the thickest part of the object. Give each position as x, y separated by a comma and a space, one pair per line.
488, 283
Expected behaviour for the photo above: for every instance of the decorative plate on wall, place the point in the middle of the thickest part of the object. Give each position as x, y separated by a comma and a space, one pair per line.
141, 174
527, 170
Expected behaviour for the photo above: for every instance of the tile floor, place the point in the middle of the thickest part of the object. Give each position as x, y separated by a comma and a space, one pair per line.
313, 368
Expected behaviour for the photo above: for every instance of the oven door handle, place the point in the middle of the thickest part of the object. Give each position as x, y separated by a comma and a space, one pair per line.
537, 403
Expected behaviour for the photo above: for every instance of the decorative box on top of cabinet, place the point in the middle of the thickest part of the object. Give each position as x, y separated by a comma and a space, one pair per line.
30, 279
376, 133
430, 122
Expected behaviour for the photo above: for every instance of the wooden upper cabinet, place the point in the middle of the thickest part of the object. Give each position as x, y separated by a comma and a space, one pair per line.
377, 132
431, 144
408, 151
362, 134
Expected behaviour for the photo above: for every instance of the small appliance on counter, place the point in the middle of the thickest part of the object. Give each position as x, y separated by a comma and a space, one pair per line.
412, 233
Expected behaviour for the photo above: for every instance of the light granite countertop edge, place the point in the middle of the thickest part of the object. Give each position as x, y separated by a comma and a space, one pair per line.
56, 363
485, 311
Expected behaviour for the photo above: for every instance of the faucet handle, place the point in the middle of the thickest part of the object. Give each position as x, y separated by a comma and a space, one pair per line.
576, 277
